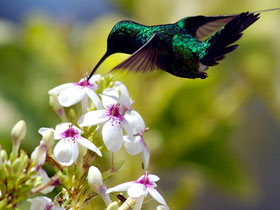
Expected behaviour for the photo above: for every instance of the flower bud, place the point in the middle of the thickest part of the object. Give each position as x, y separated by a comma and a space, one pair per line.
57, 107
162, 207
3, 155
18, 133
39, 154
113, 206
48, 138
95, 181
94, 178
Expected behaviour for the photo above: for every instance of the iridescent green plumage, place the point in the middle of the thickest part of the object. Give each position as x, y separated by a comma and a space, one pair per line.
185, 48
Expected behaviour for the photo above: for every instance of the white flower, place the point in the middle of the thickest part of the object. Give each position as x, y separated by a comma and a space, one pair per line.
43, 203
66, 151
135, 145
111, 118
140, 189
45, 179
72, 93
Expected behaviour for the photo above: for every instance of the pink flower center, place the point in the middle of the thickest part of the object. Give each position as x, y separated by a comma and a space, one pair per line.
145, 181
114, 112
70, 133
84, 83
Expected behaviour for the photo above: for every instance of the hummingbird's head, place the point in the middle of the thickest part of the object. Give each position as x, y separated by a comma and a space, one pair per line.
122, 38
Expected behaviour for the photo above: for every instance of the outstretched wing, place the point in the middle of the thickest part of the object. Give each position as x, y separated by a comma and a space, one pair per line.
203, 26
144, 59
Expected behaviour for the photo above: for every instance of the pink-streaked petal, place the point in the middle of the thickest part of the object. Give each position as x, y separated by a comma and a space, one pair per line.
146, 157
94, 98
71, 96
124, 95
137, 190
127, 127
135, 121
133, 146
88, 144
156, 195
153, 177
120, 187
94, 78
93, 118
139, 203
112, 135
57, 90
109, 97
66, 151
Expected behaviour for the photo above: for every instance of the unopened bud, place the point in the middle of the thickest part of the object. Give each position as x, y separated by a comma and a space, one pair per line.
94, 178
113, 206
48, 138
95, 181
39, 154
162, 207
57, 107
18, 133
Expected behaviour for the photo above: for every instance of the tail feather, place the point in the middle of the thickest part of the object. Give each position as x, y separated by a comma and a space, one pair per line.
231, 32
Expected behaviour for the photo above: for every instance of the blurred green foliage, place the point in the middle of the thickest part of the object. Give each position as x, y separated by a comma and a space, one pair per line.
191, 121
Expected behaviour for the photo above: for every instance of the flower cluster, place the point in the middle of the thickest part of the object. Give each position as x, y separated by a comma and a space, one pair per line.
98, 118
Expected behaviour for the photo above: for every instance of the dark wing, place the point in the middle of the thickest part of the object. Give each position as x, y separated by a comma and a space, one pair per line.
144, 59
203, 26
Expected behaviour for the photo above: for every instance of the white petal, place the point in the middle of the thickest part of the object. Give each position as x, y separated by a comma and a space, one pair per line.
94, 78
57, 208
39, 203
93, 118
135, 120
153, 177
133, 146
57, 90
139, 203
66, 151
71, 96
109, 97
61, 127
112, 135
124, 95
94, 98
42, 173
128, 128
136, 190
88, 144
146, 157
156, 195
120, 187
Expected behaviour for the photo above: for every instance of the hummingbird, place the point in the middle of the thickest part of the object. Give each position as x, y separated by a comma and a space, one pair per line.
185, 48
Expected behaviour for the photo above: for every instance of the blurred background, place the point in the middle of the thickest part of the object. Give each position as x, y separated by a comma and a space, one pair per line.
213, 142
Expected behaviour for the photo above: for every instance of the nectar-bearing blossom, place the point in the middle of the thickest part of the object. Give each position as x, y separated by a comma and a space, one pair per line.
135, 145
111, 118
72, 93
66, 151
140, 188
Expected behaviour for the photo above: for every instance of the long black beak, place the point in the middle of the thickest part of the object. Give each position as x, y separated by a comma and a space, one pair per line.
98, 64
